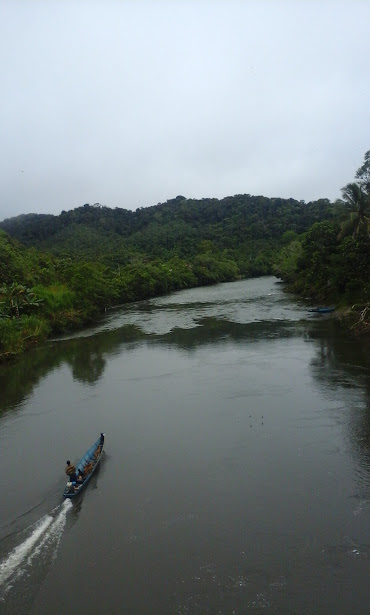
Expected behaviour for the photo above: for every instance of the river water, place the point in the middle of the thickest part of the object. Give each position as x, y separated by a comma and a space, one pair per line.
236, 471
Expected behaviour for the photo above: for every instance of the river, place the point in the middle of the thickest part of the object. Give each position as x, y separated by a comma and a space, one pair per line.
236, 473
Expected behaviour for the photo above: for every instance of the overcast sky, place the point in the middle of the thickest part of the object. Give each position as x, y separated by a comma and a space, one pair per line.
131, 102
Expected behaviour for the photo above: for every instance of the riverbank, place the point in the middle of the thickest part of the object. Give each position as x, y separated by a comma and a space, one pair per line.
18, 335
355, 319
57, 312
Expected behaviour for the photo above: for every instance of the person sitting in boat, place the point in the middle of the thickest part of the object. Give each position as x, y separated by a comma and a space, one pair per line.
71, 472
101, 440
80, 477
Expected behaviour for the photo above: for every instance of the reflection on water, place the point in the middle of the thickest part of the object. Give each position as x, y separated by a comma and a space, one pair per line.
87, 356
342, 362
237, 471
187, 319
196, 318
201, 317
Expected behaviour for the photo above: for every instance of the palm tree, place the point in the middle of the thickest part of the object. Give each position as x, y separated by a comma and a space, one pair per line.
357, 200
363, 174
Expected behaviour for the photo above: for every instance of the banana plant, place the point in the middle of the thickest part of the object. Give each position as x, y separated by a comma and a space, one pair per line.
16, 297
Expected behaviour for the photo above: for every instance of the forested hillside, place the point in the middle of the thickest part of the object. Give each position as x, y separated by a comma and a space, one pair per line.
60, 272
249, 228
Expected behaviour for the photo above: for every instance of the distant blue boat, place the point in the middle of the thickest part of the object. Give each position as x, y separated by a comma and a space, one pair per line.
87, 465
322, 310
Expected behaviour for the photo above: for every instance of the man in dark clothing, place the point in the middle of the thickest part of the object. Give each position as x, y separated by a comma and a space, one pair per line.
71, 471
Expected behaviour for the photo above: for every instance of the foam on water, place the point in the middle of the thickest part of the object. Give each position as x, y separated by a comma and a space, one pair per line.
45, 534
52, 536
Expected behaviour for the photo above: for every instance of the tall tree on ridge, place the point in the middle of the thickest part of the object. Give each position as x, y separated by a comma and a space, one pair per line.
357, 199
363, 174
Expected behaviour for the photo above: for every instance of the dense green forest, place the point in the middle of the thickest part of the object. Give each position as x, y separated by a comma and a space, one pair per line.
249, 228
60, 272
331, 261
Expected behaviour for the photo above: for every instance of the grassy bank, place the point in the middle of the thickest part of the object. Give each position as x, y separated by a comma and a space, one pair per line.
19, 334
29, 316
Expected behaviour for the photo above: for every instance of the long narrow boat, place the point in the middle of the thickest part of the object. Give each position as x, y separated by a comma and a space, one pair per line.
87, 465
322, 310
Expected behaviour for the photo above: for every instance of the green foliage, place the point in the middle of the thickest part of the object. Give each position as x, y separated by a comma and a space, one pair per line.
351, 268
332, 265
208, 269
357, 221
16, 298
92, 285
94, 257
363, 174
18, 334
12, 264
143, 280
27, 267
287, 260
56, 297
324, 267
59, 307
115, 237
288, 237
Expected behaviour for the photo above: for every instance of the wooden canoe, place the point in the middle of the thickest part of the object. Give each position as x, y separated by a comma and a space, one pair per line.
88, 464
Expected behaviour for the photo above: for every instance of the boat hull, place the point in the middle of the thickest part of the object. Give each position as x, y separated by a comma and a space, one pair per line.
322, 310
89, 456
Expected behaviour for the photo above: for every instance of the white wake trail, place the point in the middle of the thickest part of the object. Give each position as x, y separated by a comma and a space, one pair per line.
53, 534
47, 532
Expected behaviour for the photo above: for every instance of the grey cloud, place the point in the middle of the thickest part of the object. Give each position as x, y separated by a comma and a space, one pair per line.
131, 103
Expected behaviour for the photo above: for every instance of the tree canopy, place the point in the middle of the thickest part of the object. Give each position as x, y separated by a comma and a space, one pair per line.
331, 261
59, 272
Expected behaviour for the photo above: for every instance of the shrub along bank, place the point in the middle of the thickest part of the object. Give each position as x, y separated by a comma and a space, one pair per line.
66, 294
